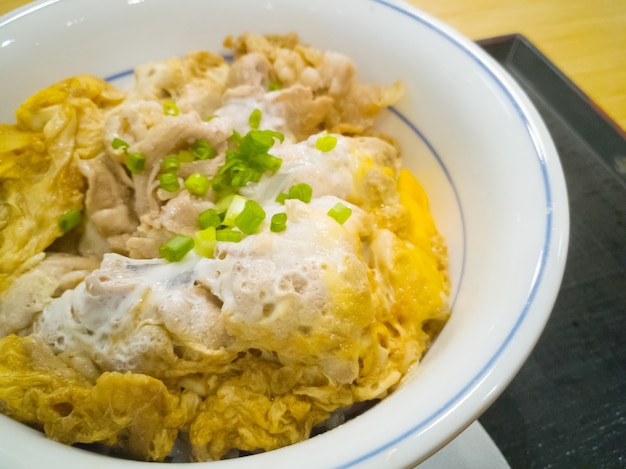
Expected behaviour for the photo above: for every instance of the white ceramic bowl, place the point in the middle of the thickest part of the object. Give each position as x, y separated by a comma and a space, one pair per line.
467, 132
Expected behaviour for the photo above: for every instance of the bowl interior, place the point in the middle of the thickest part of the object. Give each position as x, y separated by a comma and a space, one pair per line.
466, 131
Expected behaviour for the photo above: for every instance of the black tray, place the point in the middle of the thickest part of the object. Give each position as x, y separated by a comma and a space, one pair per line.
567, 405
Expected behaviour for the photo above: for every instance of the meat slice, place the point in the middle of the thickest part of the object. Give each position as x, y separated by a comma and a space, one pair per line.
108, 200
194, 82
140, 316
33, 290
253, 69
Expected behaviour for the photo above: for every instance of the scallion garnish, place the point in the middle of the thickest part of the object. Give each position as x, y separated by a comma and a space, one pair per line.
235, 207
69, 220
135, 162
235, 137
248, 161
255, 119
326, 143
278, 222
118, 143
274, 85
176, 248
169, 182
257, 142
197, 184
340, 213
209, 218
221, 206
185, 156
266, 162
202, 150
301, 191
250, 218
205, 241
170, 163
228, 234
170, 108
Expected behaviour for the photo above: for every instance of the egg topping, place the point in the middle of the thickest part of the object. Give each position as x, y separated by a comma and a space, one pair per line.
244, 257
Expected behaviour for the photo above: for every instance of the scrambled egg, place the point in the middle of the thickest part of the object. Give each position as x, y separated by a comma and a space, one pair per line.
250, 258
39, 176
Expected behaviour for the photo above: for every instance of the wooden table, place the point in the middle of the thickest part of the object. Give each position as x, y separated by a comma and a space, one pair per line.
586, 39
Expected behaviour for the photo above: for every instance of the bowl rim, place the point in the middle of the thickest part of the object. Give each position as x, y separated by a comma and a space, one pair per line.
492, 378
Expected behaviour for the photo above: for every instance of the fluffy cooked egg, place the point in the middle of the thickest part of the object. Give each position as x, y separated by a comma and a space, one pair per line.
246, 342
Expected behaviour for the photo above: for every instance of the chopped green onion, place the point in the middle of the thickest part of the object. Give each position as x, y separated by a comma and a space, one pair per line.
326, 143
69, 220
135, 162
203, 150
255, 175
274, 85
170, 163
170, 108
169, 182
340, 213
241, 174
205, 241
197, 184
185, 156
209, 218
280, 198
222, 204
266, 162
250, 218
235, 137
259, 141
278, 222
236, 206
255, 119
210, 118
228, 234
247, 161
118, 143
176, 248
301, 191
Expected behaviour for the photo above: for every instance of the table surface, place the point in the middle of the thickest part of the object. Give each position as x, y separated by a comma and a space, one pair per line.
586, 39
